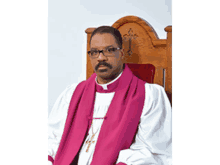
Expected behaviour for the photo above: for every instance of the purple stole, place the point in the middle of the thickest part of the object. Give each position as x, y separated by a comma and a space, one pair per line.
119, 127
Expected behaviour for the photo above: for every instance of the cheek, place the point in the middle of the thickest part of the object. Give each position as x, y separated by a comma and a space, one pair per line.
118, 60
93, 62
115, 63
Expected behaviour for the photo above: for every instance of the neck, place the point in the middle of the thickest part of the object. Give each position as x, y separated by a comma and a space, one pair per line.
101, 80
107, 80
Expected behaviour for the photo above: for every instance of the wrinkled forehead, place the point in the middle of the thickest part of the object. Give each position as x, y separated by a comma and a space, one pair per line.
103, 40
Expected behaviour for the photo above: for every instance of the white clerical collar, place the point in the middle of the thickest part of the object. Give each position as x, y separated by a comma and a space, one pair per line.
105, 86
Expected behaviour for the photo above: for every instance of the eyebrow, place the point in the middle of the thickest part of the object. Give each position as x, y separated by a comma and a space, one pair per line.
104, 48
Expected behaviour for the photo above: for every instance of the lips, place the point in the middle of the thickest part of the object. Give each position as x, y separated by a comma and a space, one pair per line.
101, 66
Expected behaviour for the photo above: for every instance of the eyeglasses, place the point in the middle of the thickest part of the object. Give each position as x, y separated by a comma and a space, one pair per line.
106, 52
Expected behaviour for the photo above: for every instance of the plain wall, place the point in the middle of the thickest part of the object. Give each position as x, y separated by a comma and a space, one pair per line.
67, 22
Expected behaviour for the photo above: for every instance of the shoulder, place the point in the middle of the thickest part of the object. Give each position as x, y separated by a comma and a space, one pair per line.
155, 94
69, 90
156, 100
154, 91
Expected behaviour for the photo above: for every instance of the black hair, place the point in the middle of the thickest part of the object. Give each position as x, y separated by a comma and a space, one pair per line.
110, 30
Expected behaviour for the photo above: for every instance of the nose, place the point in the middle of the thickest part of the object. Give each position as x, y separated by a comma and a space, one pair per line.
102, 57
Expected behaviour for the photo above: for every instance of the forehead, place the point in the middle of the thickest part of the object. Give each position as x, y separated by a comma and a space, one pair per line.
103, 40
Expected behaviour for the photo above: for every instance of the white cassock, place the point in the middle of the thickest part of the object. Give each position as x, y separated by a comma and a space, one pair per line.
153, 141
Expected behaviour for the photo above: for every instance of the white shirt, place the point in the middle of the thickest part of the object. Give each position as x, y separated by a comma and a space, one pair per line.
153, 140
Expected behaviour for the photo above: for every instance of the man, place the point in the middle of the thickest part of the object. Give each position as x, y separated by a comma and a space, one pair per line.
113, 117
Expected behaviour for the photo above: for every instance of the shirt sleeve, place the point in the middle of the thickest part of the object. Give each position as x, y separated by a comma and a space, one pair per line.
153, 141
57, 119
50, 163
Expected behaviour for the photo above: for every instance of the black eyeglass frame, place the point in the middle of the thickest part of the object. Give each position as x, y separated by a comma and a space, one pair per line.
102, 51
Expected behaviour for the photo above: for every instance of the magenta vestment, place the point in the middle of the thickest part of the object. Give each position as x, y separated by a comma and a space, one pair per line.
119, 126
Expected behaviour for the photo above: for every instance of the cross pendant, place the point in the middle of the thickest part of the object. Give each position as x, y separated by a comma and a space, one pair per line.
90, 142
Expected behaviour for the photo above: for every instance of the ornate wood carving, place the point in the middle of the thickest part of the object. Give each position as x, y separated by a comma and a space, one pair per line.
127, 41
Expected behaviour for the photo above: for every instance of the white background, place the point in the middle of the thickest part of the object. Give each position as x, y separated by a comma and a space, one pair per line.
67, 22
24, 81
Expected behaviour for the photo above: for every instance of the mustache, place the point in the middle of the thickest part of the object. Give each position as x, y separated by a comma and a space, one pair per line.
103, 63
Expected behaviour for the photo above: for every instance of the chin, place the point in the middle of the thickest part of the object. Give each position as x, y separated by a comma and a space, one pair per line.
103, 73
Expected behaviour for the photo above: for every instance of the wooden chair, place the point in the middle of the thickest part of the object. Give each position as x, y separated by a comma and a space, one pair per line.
142, 46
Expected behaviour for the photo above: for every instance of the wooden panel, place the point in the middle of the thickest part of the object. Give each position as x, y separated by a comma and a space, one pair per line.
137, 20
169, 59
89, 69
158, 79
160, 43
140, 46
168, 88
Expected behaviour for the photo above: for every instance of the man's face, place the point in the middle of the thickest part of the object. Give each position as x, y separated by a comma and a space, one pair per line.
106, 68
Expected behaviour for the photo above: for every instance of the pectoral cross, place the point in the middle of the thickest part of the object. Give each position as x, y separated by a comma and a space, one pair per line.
90, 142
